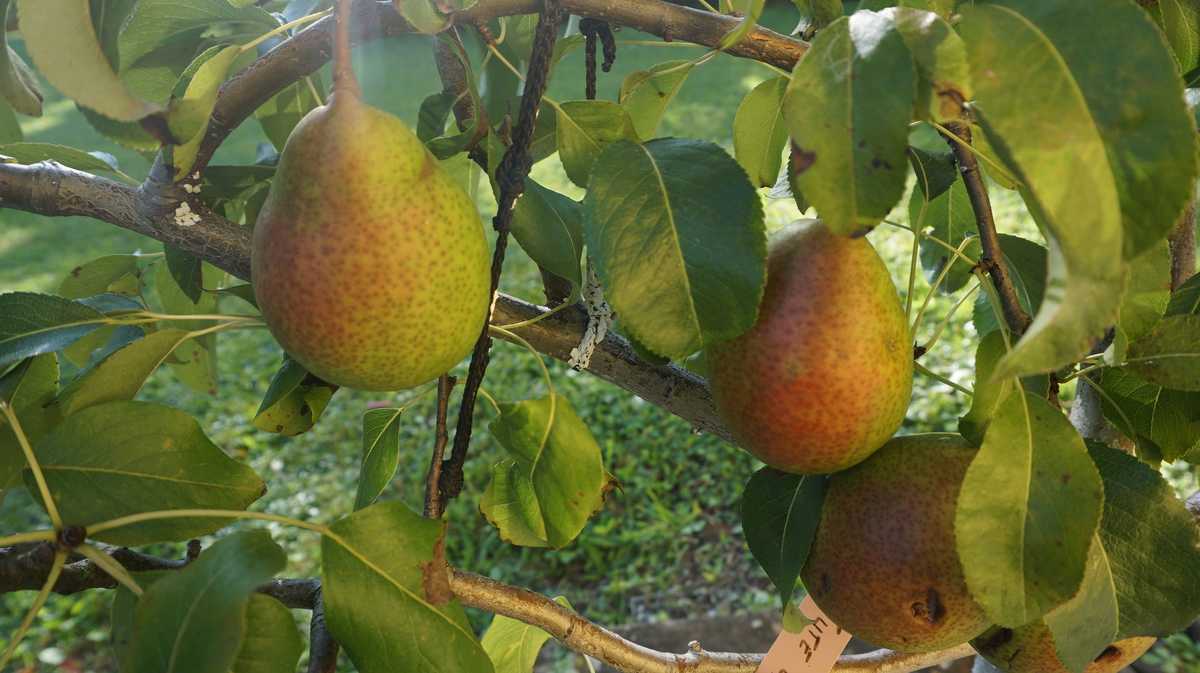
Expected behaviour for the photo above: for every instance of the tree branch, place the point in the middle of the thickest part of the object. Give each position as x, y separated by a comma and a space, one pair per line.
28, 570
993, 255
1183, 247
433, 480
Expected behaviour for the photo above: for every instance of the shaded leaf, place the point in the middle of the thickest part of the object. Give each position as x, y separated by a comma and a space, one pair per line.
155, 27
422, 14
1149, 291
1180, 22
1186, 298
381, 454
932, 160
18, 85
76, 67
118, 274
185, 269
387, 595
645, 94
271, 643
953, 221
759, 132
676, 232
1026, 263
549, 227
32, 324
195, 361
279, 115
122, 458
989, 391
780, 513
852, 133
1165, 424
584, 129
1029, 506
1145, 530
1169, 354
122, 374
1087, 623
193, 620
553, 480
28, 389
294, 400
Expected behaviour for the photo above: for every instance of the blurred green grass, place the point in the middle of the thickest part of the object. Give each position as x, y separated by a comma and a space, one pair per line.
667, 543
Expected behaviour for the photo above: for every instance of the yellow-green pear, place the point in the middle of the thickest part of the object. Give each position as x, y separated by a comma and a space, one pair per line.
370, 263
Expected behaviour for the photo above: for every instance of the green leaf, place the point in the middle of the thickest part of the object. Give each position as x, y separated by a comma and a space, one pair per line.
195, 361
32, 153
121, 375
76, 67
932, 161
1152, 545
270, 643
553, 480
387, 595
28, 389
422, 14
1149, 291
645, 94
1029, 506
512, 645
1180, 22
294, 400
989, 391
1026, 262
952, 220
279, 115
10, 128
1186, 298
118, 274
1087, 623
759, 133
549, 227
750, 10
1169, 354
185, 269
32, 324
780, 513
18, 84
850, 130
676, 232
158, 32
943, 75
584, 128
820, 13
122, 458
188, 116
1012, 56
1164, 423
381, 454
193, 620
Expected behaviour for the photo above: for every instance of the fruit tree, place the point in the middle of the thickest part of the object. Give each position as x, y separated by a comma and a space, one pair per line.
1041, 536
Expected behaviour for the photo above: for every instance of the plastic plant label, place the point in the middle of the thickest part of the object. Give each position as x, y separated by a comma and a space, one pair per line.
813, 649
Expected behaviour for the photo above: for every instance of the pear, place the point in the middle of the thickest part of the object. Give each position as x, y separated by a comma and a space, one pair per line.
824, 376
1030, 649
883, 564
369, 261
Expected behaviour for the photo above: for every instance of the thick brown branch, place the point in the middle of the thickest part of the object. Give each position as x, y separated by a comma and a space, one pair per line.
1183, 247
992, 259
433, 480
322, 648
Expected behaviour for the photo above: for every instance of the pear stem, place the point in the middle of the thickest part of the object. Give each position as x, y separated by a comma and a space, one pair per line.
344, 80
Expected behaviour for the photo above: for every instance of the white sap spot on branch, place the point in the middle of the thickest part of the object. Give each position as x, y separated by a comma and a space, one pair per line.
184, 217
600, 318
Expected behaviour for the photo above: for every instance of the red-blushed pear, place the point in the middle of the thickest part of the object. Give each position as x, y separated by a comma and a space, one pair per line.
824, 376
1031, 649
884, 565
369, 260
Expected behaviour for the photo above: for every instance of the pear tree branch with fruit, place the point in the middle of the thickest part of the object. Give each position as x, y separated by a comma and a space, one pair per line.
362, 251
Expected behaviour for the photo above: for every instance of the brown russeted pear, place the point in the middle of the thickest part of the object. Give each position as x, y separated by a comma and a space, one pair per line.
1030, 649
883, 564
369, 261
824, 376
